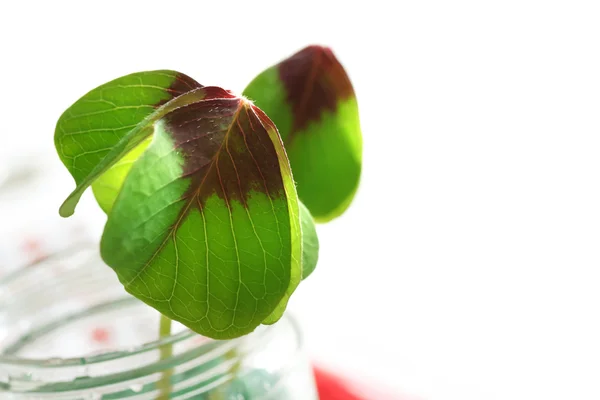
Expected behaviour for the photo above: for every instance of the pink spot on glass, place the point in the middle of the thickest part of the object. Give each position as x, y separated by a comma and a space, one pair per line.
100, 335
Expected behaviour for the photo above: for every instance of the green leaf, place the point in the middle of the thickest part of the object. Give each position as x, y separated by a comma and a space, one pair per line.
108, 185
106, 123
206, 225
310, 242
311, 100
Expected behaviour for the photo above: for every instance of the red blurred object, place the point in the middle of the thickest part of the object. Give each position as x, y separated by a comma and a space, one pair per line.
332, 387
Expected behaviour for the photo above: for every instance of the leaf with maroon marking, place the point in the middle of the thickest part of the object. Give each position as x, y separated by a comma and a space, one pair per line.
107, 123
311, 100
206, 225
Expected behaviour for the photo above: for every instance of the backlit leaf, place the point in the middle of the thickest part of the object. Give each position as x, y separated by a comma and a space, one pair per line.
108, 185
311, 100
206, 227
90, 134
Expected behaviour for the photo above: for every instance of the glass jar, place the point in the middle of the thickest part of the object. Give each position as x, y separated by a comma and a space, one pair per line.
68, 330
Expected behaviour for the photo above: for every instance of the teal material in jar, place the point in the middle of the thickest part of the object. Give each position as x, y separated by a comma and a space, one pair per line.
68, 330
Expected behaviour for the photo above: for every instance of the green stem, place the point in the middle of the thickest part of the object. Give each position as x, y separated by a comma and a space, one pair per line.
221, 392
166, 351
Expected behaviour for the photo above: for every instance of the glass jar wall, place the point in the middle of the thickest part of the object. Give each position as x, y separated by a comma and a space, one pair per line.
68, 331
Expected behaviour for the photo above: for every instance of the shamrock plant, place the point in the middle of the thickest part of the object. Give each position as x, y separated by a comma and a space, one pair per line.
211, 196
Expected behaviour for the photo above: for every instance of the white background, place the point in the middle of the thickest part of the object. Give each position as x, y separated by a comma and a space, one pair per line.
467, 268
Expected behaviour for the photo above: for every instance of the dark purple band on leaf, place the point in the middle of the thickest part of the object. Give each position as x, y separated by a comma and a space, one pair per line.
182, 84
226, 148
315, 81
